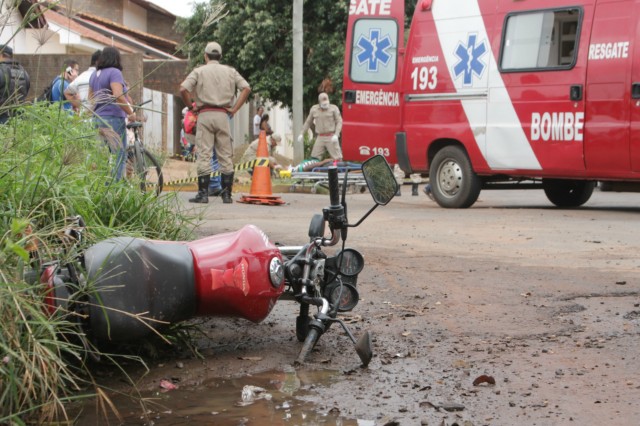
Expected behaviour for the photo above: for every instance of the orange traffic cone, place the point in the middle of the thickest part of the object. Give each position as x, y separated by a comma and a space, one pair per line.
261, 179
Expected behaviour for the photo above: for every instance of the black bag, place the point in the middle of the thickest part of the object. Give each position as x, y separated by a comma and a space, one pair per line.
47, 94
14, 82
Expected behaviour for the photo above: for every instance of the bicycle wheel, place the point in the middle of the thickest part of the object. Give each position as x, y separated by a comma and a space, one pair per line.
147, 169
153, 179
138, 160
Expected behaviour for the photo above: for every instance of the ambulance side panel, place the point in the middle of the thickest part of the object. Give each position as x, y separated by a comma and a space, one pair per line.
536, 108
437, 104
635, 90
608, 90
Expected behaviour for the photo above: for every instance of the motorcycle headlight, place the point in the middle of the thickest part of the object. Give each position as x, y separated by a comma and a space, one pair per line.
276, 272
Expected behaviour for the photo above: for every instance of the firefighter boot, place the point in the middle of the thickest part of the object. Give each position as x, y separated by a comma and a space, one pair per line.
203, 186
227, 187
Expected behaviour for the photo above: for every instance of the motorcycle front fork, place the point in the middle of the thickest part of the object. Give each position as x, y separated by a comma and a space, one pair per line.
302, 322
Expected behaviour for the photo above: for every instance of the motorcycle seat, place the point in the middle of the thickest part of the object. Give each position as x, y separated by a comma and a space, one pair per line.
132, 280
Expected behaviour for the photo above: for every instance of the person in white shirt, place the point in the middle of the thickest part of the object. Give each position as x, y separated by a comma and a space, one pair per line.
256, 121
78, 90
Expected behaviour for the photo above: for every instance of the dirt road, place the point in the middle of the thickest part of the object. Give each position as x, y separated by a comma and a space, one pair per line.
540, 305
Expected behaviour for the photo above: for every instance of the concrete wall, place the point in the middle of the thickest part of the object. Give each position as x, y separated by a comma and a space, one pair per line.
43, 41
43, 68
162, 26
134, 16
240, 130
280, 121
160, 125
109, 9
10, 29
59, 39
165, 76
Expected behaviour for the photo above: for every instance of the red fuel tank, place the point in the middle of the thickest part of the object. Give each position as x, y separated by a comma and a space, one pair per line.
237, 274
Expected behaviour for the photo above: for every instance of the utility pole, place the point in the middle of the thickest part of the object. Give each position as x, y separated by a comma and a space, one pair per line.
296, 104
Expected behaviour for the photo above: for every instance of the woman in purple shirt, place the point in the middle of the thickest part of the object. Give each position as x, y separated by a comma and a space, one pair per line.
108, 91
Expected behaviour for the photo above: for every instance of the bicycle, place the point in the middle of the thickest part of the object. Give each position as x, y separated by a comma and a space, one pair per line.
141, 162
138, 161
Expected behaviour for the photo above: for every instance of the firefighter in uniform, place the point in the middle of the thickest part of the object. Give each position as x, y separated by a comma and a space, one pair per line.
213, 87
328, 124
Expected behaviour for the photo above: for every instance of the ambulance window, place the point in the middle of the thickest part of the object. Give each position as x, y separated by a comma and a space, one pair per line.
540, 40
374, 51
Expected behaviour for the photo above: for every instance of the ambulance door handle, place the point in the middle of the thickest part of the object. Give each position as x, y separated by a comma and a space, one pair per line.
350, 96
575, 93
635, 90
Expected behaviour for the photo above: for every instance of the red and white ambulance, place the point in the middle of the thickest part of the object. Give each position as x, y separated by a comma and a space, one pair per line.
497, 93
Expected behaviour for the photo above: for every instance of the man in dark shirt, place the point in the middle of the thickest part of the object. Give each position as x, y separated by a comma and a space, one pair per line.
14, 83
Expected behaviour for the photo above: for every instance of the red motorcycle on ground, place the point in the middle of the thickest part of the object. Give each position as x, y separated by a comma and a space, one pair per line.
123, 289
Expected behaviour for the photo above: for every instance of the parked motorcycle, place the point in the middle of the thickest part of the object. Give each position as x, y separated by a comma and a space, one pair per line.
123, 289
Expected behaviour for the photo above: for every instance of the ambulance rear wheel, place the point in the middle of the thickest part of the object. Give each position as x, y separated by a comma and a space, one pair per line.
568, 193
454, 184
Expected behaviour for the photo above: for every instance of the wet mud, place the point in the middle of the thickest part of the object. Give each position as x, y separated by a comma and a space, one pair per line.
272, 397
511, 312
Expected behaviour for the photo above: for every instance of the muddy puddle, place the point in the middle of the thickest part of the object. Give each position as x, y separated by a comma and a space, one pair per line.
271, 397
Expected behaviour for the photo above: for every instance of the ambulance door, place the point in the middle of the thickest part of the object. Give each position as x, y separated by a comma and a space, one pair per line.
539, 125
372, 74
606, 141
635, 91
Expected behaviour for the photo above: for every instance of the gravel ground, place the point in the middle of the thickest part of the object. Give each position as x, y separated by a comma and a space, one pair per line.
510, 312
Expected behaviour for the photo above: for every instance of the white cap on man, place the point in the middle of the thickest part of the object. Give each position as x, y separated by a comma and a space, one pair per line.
212, 47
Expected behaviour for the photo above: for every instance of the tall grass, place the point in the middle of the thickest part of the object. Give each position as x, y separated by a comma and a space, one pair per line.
52, 166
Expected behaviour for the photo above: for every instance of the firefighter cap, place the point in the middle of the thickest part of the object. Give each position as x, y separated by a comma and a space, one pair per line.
212, 47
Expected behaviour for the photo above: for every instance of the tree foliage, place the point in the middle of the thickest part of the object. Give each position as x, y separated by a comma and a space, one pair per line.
257, 39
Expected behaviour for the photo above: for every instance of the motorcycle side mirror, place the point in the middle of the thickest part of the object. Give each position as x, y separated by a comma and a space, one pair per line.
381, 182
363, 349
316, 227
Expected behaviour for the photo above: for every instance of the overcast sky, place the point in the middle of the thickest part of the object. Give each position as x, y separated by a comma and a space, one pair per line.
177, 7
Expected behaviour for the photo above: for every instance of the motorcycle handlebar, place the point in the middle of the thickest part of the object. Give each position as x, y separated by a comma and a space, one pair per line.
312, 338
334, 189
335, 214
142, 103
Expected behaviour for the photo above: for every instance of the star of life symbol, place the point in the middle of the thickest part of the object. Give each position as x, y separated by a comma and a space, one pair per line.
373, 50
470, 63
